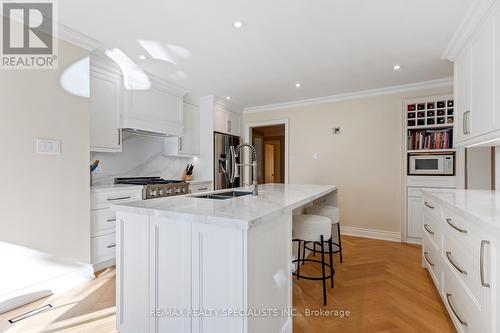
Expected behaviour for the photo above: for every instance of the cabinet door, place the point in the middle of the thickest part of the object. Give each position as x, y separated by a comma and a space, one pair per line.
189, 143
462, 96
234, 123
482, 80
415, 217
105, 108
220, 120
217, 271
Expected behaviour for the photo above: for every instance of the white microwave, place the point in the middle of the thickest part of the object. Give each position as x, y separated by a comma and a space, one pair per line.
438, 165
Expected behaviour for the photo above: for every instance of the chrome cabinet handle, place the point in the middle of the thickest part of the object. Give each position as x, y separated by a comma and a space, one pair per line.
426, 227
455, 227
481, 263
203, 189
119, 198
448, 255
119, 137
111, 220
110, 246
180, 144
427, 259
466, 122
427, 204
448, 299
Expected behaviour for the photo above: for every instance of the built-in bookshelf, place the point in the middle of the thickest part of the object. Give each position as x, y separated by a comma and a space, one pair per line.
429, 124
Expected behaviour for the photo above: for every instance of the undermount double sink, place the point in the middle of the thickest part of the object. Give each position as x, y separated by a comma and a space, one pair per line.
223, 195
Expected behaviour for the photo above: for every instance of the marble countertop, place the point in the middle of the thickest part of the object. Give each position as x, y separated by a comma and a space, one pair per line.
113, 187
482, 206
242, 212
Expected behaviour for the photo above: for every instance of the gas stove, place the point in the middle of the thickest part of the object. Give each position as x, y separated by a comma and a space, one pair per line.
156, 187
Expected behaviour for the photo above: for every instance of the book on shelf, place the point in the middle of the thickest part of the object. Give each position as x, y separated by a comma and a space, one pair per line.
430, 139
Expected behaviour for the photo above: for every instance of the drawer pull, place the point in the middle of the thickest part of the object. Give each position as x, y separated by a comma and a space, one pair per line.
427, 204
203, 189
448, 298
427, 259
448, 255
455, 227
426, 227
111, 220
481, 263
110, 246
119, 198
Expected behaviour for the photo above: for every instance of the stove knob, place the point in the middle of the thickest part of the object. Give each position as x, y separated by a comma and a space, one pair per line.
153, 193
177, 190
161, 192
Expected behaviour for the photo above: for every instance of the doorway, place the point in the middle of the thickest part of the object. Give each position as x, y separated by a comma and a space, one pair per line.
270, 144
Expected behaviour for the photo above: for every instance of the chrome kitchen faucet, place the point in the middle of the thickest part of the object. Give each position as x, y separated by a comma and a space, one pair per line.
253, 158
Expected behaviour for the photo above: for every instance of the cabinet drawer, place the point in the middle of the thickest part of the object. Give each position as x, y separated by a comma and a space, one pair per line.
103, 248
432, 208
102, 200
103, 221
467, 317
432, 261
198, 188
457, 227
464, 263
432, 229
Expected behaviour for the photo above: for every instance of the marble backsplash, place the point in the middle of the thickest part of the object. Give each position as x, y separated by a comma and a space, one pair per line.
141, 156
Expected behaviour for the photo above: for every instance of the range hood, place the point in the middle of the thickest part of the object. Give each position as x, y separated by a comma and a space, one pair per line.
136, 131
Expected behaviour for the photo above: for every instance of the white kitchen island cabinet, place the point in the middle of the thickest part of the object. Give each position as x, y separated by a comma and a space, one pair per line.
187, 264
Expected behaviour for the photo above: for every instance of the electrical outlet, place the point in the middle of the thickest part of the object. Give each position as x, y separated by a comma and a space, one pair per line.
48, 146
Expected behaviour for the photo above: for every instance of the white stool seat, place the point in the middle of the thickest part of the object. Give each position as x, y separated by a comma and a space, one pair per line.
310, 228
332, 212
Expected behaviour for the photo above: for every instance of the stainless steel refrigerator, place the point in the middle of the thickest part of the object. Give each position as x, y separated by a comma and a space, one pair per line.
224, 164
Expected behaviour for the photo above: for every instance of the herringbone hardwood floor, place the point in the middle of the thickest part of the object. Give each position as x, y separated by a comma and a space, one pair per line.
380, 283
383, 286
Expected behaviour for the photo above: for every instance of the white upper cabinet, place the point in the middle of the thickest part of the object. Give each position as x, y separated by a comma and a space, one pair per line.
226, 120
475, 51
156, 110
189, 143
105, 106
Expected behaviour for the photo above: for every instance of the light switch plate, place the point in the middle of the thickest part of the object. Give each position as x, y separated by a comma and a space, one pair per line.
48, 146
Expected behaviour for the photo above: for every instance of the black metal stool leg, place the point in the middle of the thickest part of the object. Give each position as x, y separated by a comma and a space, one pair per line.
332, 271
340, 242
304, 253
298, 262
323, 268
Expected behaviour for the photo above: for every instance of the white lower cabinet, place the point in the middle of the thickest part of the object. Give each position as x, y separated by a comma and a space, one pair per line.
103, 223
461, 260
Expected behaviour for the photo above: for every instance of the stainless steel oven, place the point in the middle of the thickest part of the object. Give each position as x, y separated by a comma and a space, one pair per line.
431, 164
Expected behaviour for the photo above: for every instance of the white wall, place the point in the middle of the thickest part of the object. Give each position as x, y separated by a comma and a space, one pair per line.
141, 156
364, 161
44, 199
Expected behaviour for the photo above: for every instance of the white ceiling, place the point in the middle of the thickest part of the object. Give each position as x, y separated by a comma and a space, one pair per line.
330, 46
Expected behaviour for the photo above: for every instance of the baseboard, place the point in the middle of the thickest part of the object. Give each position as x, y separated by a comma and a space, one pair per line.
371, 233
415, 241
46, 288
105, 264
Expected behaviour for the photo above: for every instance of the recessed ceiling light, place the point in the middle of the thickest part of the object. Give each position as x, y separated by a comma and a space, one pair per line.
397, 67
238, 24
142, 57
297, 85
228, 97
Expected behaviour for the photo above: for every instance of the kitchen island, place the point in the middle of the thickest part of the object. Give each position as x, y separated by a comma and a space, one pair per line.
210, 263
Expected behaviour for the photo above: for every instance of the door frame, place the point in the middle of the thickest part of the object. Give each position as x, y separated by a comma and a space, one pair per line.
248, 135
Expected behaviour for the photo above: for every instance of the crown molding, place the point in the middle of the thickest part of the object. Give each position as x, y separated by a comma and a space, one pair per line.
440, 83
77, 38
477, 13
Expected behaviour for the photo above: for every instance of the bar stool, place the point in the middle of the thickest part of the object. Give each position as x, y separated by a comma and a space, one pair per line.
313, 228
333, 213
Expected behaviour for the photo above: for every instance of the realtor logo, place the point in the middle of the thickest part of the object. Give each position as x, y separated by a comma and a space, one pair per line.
28, 35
